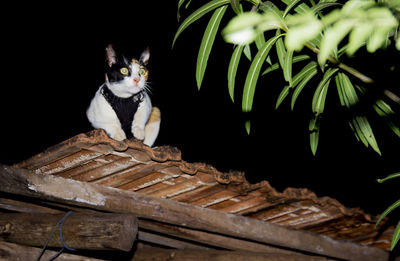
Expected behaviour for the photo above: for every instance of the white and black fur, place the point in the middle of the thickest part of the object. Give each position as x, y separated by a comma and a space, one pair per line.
122, 106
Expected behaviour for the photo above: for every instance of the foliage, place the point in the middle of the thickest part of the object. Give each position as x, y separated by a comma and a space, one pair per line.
299, 25
396, 234
288, 27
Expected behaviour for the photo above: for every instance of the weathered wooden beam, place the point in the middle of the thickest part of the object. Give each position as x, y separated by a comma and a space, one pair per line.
20, 206
208, 238
147, 254
168, 241
24, 182
15, 252
92, 231
164, 234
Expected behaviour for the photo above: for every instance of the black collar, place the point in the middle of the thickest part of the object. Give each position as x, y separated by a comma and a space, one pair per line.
112, 98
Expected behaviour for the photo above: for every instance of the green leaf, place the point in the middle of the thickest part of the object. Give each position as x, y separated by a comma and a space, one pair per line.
282, 96
359, 124
320, 97
300, 58
235, 4
303, 73
385, 23
268, 6
290, 6
314, 134
247, 52
305, 27
378, 38
287, 69
260, 40
340, 89
255, 2
276, 66
322, 5
285, 59
271, 68
364, 131
396, 236
280, 49
281, 52
242, 29
368, 133
198, 14
391, 176
180, 3
358, 132
301, 8
352, 6
309, 74
384, 110
318, 102
247, 126
332, 37
387, 211
349, 93
207, 42
254, 72
232, 69
273, 17
394, 127
358, 37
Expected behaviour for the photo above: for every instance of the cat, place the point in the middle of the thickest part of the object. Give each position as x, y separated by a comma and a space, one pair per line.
122, 106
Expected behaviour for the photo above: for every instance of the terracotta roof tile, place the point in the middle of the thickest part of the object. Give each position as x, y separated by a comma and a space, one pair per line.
161, 172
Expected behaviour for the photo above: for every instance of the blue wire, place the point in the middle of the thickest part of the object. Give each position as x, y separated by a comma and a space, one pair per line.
61, 223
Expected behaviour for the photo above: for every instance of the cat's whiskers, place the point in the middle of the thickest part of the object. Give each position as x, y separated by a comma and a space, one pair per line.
147, 88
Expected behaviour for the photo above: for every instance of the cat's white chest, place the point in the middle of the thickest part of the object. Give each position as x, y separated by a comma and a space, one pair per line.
100, 111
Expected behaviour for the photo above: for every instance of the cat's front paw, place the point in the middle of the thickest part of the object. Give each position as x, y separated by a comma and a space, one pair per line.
138, 133
118, 135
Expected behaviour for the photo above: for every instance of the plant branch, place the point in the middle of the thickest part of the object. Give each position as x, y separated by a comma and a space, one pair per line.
392, 96
342, 66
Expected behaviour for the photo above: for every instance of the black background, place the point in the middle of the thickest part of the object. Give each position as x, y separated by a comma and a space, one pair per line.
53, 57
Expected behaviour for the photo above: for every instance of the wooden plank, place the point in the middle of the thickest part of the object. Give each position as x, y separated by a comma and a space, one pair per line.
92, 231
19, 206
207, 238
20, 181
220, 255
167, 241
14, 252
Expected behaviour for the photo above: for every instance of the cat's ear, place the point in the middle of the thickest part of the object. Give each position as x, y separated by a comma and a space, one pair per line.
111, 56
144, 58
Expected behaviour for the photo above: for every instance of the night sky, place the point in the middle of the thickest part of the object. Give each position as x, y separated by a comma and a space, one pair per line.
53, 57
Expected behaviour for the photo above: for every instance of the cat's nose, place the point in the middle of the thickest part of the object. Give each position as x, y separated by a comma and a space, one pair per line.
136, 80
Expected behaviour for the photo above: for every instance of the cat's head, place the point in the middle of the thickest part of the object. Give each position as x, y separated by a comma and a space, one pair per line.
126, 77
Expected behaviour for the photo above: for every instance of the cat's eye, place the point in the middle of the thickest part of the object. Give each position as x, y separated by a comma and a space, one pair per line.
124, 71
142, 71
